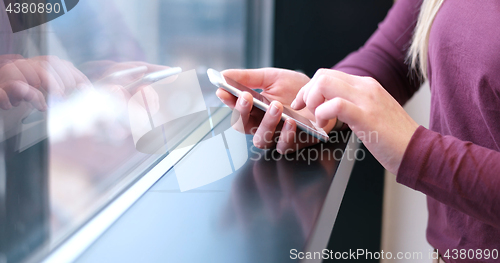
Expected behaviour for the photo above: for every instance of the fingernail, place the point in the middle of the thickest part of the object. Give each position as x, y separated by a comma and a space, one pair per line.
293, 104
243, 102
274, 110
288, 125
257, 144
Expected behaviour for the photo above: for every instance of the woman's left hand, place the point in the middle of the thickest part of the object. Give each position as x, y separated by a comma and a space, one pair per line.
369, 110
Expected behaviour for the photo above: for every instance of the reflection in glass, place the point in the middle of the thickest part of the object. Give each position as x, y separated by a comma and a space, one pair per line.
66, 146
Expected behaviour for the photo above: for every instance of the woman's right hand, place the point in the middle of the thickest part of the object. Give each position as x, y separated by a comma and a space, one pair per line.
30, 79
280, 86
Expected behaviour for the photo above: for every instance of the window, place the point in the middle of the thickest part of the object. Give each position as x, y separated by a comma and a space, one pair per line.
60, 166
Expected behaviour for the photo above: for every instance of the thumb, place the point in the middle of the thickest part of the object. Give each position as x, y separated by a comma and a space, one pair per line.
261, 78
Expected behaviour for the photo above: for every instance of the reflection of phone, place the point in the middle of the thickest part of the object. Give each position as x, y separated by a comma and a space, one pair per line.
152, 78
259, 101
147, 79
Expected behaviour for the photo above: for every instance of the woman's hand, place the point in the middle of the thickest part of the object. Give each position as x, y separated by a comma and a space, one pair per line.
369, 110
279, 86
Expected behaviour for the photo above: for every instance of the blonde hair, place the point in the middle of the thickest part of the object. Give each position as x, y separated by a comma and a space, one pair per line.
417, 54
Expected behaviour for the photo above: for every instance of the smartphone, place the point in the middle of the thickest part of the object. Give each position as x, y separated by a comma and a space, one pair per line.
259, 101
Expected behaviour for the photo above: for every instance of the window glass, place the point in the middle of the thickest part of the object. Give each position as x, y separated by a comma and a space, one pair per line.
67, 145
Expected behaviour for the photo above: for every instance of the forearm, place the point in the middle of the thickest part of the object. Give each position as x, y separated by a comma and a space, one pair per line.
460, 174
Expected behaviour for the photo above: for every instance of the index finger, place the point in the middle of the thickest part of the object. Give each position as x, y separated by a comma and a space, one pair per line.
299, 103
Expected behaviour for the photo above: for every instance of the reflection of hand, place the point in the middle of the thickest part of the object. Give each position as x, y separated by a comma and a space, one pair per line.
366, 106
117, 85
8, 58
57, 75
278, 189
279, 86
27, 80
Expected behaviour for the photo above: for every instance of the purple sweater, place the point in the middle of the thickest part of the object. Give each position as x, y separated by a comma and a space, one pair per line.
457, 162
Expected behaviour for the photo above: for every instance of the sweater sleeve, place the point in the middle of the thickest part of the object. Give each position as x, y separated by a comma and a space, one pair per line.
383, 55
459, 174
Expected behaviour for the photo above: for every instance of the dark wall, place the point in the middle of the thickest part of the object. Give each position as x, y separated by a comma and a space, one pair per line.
318, 34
